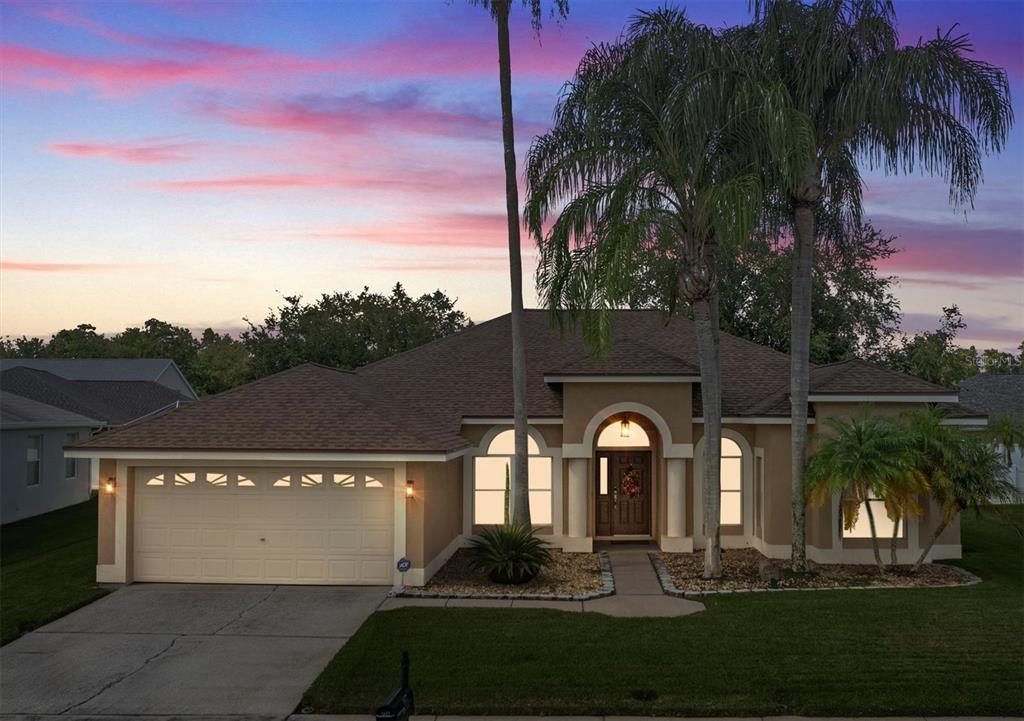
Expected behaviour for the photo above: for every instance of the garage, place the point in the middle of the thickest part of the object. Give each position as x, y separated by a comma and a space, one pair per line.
264, 525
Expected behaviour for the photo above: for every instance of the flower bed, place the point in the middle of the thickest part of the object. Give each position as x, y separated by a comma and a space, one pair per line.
681, 574
569, 577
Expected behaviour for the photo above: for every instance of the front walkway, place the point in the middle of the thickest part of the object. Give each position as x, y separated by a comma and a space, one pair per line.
638, 593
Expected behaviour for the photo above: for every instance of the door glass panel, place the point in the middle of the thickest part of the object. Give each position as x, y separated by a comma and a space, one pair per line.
603, 476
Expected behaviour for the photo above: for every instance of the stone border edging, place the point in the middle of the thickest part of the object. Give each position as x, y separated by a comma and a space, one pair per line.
607, 589
670, 589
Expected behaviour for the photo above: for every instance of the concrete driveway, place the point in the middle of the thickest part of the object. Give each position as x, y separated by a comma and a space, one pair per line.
170, 649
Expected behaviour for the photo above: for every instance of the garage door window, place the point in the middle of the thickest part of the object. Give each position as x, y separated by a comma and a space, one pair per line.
372, 482
184, 479
312, 480
345, 480
283, 481
217, 479
245, 481
154, 479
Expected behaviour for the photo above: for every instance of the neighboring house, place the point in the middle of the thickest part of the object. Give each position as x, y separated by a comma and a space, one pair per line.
47, 404
999, 394
316, 475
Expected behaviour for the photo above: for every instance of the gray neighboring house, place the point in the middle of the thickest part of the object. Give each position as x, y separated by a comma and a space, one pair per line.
46, 404
999, 394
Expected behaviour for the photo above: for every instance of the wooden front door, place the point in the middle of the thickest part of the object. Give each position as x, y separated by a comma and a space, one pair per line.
623, 492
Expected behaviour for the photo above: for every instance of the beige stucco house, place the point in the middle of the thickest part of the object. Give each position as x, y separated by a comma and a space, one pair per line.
316, 475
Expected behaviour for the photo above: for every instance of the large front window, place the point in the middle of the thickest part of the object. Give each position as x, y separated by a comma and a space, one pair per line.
883, 524
493, 473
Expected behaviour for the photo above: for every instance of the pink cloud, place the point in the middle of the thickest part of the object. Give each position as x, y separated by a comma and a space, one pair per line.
474, 186
445, 230
958, 249
361, 114
17, 266
143, 152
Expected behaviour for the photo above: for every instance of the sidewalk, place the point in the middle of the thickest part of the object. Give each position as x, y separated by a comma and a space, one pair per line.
638, 593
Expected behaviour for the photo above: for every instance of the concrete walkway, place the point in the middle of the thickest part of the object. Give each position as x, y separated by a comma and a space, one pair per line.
637, 593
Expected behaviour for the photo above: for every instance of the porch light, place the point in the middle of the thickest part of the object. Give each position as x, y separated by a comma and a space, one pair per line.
624, 428
110, 485
408, 489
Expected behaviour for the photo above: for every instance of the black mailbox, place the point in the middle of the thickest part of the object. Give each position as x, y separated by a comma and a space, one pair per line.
400, 706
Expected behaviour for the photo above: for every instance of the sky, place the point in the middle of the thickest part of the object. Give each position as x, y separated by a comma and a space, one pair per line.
196, 161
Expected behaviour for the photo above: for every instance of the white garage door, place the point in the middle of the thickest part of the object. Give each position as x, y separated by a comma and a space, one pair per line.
264, 525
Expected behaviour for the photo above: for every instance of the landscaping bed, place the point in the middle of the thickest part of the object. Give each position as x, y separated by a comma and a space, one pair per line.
742, 571
569, 576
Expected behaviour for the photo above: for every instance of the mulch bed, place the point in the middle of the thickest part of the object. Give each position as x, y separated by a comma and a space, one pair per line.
741, 569
568, 574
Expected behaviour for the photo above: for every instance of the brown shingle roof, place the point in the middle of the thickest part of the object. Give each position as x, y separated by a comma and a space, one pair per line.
307, 408
415, 401
997, 394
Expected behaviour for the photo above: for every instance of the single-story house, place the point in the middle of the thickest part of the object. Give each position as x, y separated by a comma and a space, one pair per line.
46, 404
999, 394
321, 476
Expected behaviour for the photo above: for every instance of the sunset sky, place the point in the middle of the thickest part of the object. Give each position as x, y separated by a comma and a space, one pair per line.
194, 161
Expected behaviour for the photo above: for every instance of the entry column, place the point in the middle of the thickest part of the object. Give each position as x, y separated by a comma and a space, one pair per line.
674, 539
577, 538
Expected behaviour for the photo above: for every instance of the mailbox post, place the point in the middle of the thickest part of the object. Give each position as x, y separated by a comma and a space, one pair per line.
400, 706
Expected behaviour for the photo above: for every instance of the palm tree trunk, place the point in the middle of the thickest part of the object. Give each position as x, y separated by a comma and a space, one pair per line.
874, 536
799, 378
520, 485
892, 541
706, 316
935, 537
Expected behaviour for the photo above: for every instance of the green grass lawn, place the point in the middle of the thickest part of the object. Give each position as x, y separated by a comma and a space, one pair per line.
881, 652
47, 568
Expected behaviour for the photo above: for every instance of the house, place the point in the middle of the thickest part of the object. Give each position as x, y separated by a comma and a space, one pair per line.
316, 475
46, 404
999, 394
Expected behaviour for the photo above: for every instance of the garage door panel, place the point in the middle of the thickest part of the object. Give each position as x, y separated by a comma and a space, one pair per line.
327, 526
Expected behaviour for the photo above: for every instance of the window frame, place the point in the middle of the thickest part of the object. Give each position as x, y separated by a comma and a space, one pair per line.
722, 491
71, 463
554, 461
37, 463
901, 523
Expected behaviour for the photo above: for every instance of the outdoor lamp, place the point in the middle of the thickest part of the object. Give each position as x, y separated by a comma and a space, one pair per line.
408, 489
110, 485
624, 428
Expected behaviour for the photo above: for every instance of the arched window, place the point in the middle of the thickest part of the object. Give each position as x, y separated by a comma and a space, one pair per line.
731, 513
623, 434
492, 482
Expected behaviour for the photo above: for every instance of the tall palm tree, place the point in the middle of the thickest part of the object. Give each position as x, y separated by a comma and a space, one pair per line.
927, 106
658, 155
499, 10
961, 469
861, 460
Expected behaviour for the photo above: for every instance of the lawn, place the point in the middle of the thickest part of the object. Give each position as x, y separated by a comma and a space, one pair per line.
878, 652
47, 568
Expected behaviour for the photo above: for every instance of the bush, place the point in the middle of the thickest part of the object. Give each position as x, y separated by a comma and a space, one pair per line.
509, 554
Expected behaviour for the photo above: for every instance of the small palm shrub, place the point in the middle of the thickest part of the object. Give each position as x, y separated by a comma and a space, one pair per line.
509, 554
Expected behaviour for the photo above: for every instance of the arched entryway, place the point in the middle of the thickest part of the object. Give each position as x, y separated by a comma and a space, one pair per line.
624, 485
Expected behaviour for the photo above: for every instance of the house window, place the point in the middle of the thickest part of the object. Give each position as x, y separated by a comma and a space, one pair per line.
33, 460
492, 475
70, 464
883, 524
731, 513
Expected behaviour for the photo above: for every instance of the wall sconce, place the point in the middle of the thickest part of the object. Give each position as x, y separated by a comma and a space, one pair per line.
624, 428
110, 485
408, 489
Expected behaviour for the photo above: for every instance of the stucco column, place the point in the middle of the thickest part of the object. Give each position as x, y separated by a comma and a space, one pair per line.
675, 508
577, 539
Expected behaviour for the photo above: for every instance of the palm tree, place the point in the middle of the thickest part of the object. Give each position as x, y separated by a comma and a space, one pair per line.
962, 471
927, 106
862, 460
1007, 433
658, 155
499, 10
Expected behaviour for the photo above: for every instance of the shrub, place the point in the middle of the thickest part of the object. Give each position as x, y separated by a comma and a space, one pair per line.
509, 554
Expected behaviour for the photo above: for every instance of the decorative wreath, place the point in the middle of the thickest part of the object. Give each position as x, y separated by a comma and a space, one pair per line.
629, 486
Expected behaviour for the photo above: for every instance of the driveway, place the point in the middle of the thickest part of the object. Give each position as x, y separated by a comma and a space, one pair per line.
170, 649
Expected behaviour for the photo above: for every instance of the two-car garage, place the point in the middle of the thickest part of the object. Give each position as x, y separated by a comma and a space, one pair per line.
263, 525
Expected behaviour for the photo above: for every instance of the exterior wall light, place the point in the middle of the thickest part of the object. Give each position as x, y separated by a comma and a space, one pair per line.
408, 489
110, 485
624, 428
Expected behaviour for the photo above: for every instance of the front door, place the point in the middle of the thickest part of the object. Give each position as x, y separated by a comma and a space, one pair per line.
623, 492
